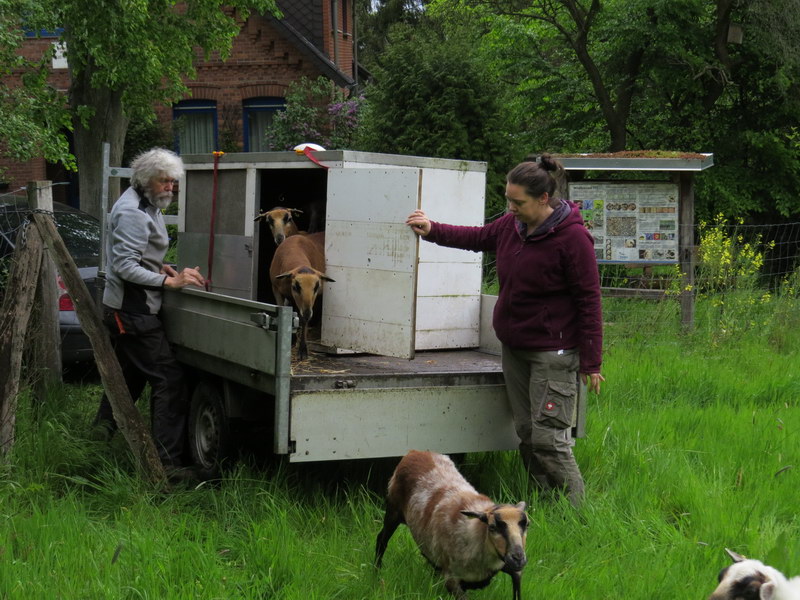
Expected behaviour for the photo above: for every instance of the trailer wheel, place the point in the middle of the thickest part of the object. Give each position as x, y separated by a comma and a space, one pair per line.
209, 432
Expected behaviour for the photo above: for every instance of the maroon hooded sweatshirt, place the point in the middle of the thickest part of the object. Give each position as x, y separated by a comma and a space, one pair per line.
549, 283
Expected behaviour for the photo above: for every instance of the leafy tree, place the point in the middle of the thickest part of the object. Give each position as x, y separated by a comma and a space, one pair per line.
607, 75
316, 111
433, 96
33, 116
124, 56
375, 18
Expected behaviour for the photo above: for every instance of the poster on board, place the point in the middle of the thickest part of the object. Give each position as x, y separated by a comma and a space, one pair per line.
634, 221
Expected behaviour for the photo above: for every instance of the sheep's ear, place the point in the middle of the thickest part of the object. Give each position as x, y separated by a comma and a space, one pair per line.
475, 515
735, 557
284, 275
260, 217
296, 211
521, 506
767, 591
326, 278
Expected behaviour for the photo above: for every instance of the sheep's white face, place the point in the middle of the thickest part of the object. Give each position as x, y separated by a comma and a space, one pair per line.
746, 580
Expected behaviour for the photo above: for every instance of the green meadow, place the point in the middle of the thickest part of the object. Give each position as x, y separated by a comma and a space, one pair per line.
692, 446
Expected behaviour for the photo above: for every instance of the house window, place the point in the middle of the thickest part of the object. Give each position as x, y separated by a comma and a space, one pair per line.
195, 124
258, 114
44, 33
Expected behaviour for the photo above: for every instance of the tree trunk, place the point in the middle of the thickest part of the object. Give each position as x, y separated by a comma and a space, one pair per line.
107, 123
17, 304
130, 421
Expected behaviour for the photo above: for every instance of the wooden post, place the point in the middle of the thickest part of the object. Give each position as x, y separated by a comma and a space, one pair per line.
130, 421
686, 254
17, 304
46, 339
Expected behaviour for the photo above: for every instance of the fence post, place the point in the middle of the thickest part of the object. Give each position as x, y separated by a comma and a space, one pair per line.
686, 248
46, 355
131, 424
14, 322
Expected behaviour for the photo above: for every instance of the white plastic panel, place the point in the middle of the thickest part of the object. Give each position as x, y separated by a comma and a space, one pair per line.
389, 422
447, 322
372, 255
449, 279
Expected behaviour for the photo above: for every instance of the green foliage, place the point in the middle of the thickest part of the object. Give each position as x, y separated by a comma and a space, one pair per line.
728, 262
146, 47
317, 112
142, 135
34, 121
656, 68
375, 19
433, 96
124, 57
729, 276
670, 483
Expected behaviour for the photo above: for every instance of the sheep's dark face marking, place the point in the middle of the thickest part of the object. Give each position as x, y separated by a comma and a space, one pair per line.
506, 531
280, 222
306, 285
744, 580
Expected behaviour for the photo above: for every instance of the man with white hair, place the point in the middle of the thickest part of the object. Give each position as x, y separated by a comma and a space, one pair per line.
135, 277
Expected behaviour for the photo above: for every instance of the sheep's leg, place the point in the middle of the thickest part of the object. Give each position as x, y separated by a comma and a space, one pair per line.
302, 348
454, 587
516, 584
391, 520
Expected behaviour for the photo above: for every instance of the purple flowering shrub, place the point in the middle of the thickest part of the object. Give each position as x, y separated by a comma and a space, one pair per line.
316, 111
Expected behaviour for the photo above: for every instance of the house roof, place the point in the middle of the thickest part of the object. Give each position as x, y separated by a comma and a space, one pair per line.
306, 17
302, 25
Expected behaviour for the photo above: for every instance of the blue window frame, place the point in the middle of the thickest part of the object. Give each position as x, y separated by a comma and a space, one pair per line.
44, 33
257, 117
195, 123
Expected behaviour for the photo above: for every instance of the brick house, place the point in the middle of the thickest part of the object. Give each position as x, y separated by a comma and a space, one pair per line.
230, 103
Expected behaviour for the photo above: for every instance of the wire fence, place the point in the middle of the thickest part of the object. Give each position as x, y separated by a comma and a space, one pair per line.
746, 281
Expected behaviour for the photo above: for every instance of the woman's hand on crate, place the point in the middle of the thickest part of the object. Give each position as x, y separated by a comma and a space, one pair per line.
419, 223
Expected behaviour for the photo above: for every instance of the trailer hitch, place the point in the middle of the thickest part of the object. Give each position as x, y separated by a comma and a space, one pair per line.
270, 323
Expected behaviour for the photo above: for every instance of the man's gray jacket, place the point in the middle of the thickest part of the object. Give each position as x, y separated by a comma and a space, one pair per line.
136, 244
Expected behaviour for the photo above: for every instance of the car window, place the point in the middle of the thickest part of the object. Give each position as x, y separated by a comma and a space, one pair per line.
81, 235
80, 232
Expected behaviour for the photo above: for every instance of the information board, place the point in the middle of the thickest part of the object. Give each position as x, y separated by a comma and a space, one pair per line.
634, 221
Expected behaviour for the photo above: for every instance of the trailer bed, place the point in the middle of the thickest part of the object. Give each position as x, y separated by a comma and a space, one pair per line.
434, 367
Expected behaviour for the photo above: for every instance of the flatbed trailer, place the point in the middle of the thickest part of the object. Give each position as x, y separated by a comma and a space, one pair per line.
406, 357
238, 354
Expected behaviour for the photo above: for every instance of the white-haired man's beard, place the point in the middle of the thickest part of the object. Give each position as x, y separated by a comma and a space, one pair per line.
160, 201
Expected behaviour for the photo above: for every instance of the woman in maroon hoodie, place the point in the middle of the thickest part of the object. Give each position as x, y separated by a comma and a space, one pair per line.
548, 315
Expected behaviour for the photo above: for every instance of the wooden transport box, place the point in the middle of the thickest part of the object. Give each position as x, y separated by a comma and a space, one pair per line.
393, 294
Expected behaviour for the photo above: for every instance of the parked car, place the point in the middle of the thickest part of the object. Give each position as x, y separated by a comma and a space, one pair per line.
81, 234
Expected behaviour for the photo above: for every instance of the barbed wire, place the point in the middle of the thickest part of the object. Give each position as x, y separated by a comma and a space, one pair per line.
25, 188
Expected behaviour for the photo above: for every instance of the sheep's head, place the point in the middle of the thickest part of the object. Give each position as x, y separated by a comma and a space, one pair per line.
746, 579
506, 531
306, 286
280, 222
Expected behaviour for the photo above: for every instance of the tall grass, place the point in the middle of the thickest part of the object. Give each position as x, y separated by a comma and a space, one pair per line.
691, 447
